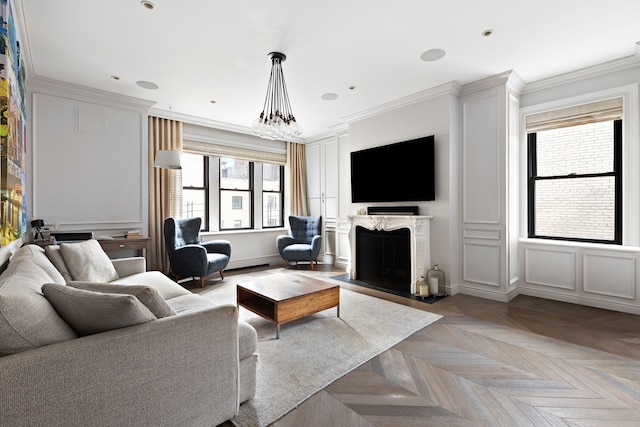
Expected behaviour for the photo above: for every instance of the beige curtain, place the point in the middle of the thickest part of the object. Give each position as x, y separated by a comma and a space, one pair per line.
297, 171
165, 188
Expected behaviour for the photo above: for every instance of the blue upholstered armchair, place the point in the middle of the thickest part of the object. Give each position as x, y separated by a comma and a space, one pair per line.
304, 242
188, 255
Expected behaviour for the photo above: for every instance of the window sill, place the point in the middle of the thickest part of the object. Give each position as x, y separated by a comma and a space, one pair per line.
572, 244
253, 231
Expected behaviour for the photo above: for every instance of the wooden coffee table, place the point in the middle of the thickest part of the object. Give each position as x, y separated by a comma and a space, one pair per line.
282, 298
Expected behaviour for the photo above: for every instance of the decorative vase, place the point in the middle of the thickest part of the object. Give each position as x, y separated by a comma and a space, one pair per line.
435, 281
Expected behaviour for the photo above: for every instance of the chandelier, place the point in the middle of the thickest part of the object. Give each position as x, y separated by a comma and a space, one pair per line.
276, 120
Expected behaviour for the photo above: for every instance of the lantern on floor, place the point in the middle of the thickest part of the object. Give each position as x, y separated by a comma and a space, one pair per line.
435, 281
422, 290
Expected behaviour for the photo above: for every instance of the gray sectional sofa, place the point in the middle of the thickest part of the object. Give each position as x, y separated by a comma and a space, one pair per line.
80, 352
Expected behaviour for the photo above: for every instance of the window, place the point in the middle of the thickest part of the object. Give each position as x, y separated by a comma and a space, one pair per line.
272, 191
236, 193
575, 177
195, 188
231, 193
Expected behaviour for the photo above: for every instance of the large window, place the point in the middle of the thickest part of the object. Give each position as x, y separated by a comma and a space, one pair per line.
195, 188
575, 180
228, 192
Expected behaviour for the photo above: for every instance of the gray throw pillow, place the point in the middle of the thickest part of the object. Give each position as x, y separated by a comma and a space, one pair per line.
55, 256
88, 262
94, 312
145, 294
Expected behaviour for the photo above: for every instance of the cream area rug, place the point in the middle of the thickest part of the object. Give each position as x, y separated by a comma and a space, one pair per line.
315, 351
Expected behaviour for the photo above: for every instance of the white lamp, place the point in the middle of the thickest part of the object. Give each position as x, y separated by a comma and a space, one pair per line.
168, 159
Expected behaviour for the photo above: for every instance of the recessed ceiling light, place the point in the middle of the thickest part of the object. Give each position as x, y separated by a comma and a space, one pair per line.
432, 55
352, 87
147, 85
487, 33
115, 77
213, 101
147, 4
329, 96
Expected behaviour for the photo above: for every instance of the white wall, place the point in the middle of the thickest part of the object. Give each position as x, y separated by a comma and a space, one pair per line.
427, 117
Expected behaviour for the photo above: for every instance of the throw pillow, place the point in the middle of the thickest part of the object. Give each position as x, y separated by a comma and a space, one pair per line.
94, 312
55, 256
88, 262
145, 294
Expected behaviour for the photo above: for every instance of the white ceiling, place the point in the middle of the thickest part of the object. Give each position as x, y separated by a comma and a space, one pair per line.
202, 50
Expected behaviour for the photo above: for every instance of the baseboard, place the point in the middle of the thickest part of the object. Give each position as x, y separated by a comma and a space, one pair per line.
252, 262
581, 300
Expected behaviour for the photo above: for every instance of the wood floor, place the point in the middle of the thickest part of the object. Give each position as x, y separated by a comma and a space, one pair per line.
530, 362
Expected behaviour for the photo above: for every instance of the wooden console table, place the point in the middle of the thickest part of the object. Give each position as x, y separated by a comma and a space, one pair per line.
117, 244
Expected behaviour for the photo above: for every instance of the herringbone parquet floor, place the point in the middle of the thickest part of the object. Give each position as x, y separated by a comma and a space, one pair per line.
530, 362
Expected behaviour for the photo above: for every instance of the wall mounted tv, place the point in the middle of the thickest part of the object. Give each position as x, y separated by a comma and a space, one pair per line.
400, 172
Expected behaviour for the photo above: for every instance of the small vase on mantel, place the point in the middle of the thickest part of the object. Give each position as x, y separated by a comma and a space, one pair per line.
435, 281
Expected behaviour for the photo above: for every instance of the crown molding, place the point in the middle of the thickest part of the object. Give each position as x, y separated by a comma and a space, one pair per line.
49, 86
201, 121
509, 78
451, 88
584, 73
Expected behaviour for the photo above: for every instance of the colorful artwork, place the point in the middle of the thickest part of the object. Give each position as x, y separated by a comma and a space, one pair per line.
13, 222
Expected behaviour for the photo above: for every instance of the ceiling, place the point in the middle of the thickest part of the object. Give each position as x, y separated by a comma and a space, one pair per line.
198, 51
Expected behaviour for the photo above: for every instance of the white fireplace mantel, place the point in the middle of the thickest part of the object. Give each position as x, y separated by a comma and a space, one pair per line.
420, 236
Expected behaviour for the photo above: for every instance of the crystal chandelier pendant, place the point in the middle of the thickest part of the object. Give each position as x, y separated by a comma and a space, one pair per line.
276, 121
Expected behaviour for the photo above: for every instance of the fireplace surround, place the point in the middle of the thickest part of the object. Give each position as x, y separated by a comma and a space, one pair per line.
419, 227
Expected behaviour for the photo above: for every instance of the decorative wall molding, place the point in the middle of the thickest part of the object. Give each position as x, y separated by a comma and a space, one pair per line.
583, 73
451, 88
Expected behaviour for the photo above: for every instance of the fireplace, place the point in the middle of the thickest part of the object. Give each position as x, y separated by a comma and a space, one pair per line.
406, 264
383, 258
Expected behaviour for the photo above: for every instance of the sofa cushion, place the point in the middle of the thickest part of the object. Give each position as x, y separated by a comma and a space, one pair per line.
27, 320
166, 287
55, 256
88, 262
145, 294
189, 303
90, 312
247, 339
36, 254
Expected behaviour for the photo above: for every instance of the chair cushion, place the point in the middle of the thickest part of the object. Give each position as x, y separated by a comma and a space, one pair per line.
297, 252
88, 262
145, 294
90, 312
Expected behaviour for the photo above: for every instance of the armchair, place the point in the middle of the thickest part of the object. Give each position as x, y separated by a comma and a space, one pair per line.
304, 242
188, 255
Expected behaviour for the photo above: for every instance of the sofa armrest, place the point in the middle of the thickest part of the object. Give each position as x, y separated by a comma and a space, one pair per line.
129, 266
179, 370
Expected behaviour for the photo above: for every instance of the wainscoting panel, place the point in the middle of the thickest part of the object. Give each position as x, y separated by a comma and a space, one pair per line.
550, 267
610, 274
481, 234
481, 183
481, 263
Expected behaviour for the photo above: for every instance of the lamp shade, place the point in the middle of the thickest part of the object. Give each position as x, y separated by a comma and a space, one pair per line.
168, 159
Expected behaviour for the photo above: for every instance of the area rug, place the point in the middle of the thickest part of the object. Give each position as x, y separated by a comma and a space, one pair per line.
315, 351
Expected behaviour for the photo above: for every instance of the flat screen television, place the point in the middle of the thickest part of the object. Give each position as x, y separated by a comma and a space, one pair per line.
400, 172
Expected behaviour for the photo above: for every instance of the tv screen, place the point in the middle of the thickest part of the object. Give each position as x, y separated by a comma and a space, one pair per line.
400, 172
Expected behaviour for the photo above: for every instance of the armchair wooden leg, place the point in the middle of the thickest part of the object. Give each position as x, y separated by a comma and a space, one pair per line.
312, 262
202, 282
221, 275
285, 263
